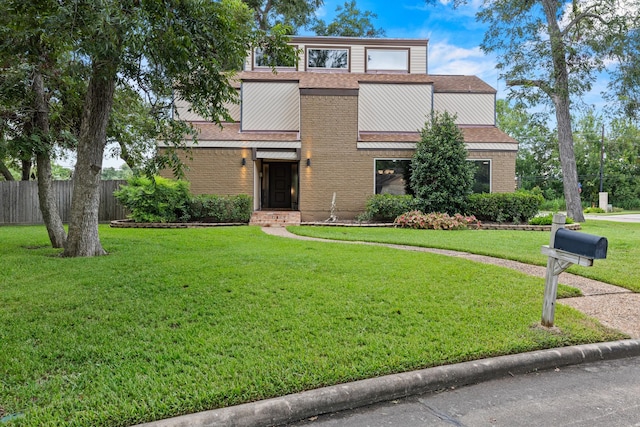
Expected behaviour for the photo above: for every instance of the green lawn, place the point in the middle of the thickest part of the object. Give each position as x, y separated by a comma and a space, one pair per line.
178, 321
620, 267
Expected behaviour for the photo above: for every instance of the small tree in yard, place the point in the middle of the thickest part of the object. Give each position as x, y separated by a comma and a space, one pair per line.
442, 177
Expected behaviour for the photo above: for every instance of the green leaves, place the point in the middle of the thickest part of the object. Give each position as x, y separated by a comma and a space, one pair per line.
441, 176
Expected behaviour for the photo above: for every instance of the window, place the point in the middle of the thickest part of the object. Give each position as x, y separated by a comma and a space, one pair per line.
387, 60
262, 60
482, 177
392, 176
328, 58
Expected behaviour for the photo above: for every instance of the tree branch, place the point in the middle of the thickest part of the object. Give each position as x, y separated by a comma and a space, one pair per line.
540, 84
584, 15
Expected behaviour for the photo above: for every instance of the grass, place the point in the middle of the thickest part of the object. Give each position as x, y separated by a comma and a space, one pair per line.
619, 268
178, 321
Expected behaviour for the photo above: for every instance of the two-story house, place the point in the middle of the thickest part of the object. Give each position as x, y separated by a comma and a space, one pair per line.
344, 120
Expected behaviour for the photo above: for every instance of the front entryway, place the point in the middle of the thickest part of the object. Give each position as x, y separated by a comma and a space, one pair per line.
279, 185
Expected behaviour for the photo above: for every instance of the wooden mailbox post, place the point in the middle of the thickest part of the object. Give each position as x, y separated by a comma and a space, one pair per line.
566, 248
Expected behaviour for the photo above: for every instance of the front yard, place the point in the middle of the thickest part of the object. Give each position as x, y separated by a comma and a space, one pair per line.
177, 321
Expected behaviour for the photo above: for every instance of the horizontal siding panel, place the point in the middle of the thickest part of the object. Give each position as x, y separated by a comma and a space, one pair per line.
393, 107
418, 60
183, 111
270, 106
357, 59
471, 108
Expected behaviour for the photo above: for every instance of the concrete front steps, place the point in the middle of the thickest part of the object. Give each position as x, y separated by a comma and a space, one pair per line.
275, 218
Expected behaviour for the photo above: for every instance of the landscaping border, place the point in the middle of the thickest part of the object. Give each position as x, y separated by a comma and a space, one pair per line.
127, 223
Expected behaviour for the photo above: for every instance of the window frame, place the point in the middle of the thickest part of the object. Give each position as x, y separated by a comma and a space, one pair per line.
256, 67
367, 69
347, 49
375, 170
490, 163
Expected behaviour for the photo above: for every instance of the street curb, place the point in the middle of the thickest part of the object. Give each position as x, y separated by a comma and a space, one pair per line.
298, 406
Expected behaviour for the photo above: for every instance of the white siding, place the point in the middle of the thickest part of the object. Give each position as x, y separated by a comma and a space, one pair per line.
182, 109
418, 60
270, 106
357, 59
471, 108
393, 107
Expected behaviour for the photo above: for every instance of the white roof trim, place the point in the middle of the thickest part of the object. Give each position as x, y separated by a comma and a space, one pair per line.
279, 155
386, 145
472, 146
241, 144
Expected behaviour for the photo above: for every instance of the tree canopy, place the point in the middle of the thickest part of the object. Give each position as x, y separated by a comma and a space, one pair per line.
349, 22
551, 52
130, 52
293, 13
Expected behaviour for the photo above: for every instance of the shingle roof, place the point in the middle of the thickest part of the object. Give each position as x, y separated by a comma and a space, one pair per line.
231, 132
337, 80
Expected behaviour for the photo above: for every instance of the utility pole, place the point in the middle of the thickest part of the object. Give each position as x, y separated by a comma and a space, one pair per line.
601, 157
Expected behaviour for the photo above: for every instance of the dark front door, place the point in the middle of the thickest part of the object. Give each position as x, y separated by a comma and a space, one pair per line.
280, 185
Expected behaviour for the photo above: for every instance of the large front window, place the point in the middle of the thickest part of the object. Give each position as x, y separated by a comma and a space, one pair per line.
392, 176
328, 58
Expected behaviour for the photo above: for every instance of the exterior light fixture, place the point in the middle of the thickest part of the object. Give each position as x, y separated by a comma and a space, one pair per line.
244, 161
308, 162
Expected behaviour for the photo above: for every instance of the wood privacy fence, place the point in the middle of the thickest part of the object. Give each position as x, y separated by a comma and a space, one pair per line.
19, 202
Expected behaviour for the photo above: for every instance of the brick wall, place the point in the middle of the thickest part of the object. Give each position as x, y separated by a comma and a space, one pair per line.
219, 171
503, 169
329, 132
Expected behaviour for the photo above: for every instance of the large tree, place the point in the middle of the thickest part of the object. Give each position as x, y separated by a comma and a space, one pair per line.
550, 51
537, 163
349, 22
154, 47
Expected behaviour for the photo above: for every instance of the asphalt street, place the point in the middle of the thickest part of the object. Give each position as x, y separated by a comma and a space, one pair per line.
605, 393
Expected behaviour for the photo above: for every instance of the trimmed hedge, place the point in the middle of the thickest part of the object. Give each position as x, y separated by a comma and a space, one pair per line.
517, 207
387, 207
214, 208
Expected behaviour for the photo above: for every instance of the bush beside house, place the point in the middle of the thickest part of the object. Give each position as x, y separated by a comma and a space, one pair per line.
164, 200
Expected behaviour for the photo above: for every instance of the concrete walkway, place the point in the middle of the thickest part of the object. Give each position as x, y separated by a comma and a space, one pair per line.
615, 218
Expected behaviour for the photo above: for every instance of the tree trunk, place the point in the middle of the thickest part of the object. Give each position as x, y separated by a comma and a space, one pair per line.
26, 170
5, 172
48, 204
83, 239
562, 104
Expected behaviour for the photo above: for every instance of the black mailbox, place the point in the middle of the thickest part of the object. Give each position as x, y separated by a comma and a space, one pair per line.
583, 244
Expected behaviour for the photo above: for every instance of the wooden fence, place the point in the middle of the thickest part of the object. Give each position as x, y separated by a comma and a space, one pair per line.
19, 202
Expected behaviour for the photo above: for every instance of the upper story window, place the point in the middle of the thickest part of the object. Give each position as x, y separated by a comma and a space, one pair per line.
324, 58
388, 60
262, 60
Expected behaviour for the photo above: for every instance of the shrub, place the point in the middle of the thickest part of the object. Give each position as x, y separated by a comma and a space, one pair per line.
516, 207
594, 210
547, 220
213, 208
157, 200
441, 175
436, 221
386, 207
